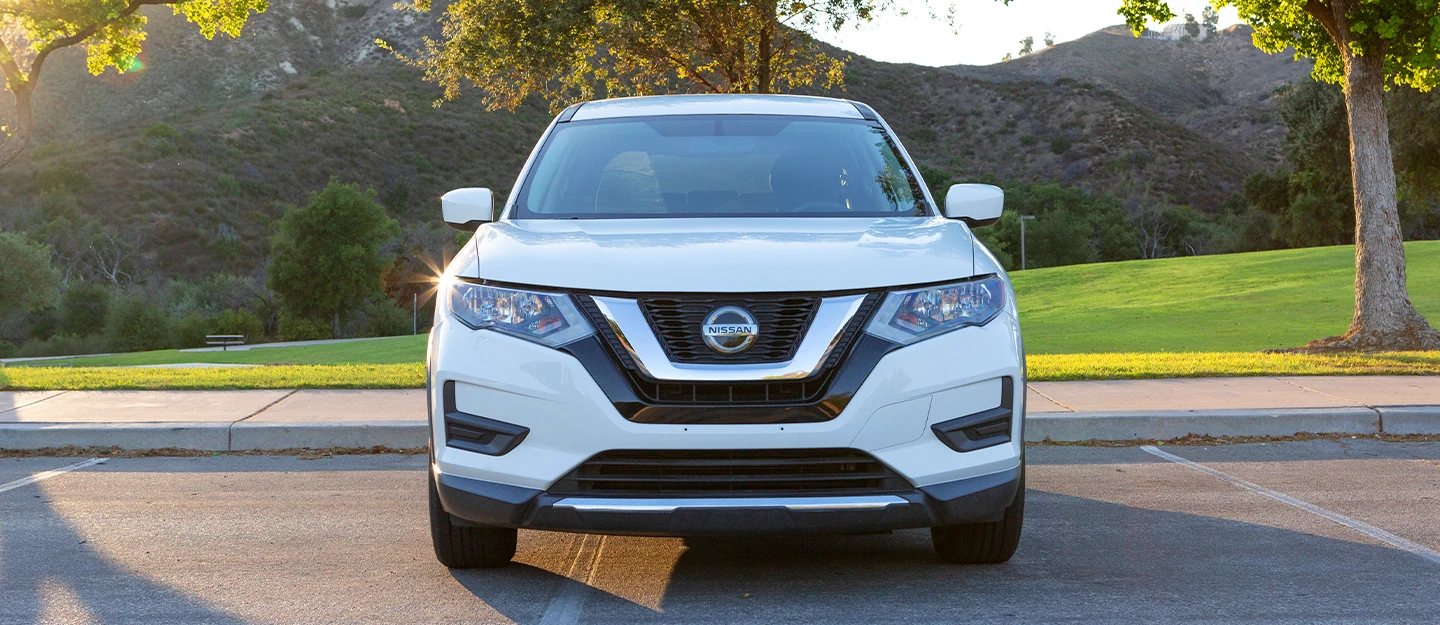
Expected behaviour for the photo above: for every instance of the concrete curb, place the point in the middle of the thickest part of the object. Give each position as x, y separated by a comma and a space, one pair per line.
1409, 419
398, 434
1166, 425
198, 436
356, 434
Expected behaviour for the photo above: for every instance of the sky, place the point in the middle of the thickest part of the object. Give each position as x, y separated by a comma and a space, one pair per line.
985, 29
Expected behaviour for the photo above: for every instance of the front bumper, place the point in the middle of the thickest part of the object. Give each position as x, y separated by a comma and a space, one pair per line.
568, 419
976, 499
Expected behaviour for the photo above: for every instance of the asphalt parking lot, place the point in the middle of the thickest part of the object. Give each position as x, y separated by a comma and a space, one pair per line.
1111, 535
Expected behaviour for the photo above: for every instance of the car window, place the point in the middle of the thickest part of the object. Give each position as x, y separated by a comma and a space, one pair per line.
722, 165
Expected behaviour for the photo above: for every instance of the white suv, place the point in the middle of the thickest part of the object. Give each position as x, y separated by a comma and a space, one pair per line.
724, 315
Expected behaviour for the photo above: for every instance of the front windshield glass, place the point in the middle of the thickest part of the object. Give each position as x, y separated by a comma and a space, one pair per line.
720, 165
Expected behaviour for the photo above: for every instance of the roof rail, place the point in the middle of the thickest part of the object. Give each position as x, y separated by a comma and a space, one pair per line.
569, 112
865, 111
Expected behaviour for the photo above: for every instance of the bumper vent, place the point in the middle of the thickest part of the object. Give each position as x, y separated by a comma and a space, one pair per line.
986, 428
677, 321
723, 472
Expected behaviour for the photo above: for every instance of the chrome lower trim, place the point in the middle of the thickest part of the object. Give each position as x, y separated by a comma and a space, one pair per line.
630, 325
859, 502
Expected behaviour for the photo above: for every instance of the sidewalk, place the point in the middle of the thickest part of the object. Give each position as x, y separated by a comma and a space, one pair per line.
1058, 411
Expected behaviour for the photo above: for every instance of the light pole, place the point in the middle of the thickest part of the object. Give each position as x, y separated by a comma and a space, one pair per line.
1023, 219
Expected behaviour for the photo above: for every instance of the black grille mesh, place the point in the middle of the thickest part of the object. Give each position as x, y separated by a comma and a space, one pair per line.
782, 322
754, 393
727, 472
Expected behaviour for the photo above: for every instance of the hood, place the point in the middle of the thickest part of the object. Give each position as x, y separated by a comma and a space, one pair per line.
721, 255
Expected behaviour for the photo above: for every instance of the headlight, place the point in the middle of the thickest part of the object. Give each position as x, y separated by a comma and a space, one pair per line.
548, 318
909, 316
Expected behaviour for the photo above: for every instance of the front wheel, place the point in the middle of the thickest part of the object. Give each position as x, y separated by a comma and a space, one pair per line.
982, 543
460, 547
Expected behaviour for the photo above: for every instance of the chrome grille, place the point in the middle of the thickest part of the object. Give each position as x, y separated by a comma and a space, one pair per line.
677, 320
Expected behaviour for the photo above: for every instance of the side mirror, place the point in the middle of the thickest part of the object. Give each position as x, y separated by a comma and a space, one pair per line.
975, 204
466, 209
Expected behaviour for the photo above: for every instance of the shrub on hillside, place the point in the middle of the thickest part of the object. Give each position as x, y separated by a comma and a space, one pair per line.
383, 318
83, 308
137, 324
326, 258
293, 328
63, 345
237, 321
190, 330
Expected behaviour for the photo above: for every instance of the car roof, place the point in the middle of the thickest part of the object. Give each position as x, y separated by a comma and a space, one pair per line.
715, 104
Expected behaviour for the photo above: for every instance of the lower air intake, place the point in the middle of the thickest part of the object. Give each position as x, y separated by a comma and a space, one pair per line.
730, 473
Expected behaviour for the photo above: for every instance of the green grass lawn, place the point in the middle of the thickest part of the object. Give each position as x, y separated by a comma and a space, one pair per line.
1178, 317
386, 351
1224, 303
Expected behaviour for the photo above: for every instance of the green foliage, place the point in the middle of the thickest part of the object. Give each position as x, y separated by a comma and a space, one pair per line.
382, 317
137, 324
83, 308
237, 321
64, 345
1070, 227
573, 50
294, 328
325, 257
1313, 204
27, 281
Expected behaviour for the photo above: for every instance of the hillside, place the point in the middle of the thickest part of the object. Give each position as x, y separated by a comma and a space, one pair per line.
1229, 302
1222, 89
193, 156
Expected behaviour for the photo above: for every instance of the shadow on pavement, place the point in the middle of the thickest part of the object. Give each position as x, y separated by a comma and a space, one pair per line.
1080, 559
45, 564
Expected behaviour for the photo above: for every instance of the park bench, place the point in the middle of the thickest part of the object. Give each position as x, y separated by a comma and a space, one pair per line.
225, 341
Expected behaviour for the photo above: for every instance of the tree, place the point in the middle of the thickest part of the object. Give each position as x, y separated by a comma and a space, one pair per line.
1049, 39
572, 50
325, 257
1192, 27
27, 281
110, 30
1362, 45
1027, 45
1210, 18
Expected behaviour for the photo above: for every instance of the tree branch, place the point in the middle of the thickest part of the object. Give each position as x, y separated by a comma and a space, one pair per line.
13, 76
89, 31
1325, 14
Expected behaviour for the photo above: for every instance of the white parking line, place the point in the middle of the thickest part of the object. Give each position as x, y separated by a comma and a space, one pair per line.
49, 474
566, 606
1360, 526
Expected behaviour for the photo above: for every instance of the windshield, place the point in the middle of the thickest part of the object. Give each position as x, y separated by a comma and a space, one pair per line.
719, 165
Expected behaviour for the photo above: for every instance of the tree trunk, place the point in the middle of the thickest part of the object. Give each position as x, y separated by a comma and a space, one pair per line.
1384, 318
765, 54
335, 324
20, 134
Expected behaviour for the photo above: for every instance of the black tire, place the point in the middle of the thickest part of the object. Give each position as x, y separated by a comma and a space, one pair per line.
982, 543
460, 547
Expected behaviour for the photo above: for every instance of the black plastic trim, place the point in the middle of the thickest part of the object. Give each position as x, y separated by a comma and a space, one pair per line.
986, 428
971, 500
496, 438
568, 113
866, 111
865, 353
